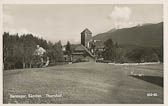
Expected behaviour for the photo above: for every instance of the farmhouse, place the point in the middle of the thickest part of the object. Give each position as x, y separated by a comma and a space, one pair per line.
81, 54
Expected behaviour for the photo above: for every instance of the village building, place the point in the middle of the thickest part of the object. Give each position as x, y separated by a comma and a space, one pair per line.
39, 51
82, 54
86, 37
98, 48
88, 50
39, 57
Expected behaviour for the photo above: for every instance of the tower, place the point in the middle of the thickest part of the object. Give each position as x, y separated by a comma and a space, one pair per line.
86, 35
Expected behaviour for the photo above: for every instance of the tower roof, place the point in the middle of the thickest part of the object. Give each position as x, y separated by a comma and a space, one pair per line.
86, 31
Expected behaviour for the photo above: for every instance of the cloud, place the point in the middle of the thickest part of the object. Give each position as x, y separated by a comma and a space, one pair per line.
122, 18
121, 13
9, 26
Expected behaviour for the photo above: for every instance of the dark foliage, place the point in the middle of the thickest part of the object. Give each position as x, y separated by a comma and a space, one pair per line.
18, 50
114, 53
144, 54
68, 49
110, 50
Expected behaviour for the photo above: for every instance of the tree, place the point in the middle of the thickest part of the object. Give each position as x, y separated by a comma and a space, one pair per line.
119, 58
116, 45
109, 50
68, 49
18, 50
159, 52
58, 52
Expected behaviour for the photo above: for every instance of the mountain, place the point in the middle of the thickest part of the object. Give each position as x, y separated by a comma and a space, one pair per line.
111, 30
150, 35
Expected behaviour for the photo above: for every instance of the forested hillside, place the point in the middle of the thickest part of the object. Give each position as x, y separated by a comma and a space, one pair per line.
150, 35
137, 44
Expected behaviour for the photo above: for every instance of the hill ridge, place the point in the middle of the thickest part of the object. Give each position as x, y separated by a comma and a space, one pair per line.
145, 35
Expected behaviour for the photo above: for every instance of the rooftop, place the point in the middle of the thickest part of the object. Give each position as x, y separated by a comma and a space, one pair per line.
86, 31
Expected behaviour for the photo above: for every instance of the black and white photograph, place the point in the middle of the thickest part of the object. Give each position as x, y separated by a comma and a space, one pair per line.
83, 53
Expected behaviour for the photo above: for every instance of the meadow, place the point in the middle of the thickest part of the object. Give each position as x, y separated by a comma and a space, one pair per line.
83, 83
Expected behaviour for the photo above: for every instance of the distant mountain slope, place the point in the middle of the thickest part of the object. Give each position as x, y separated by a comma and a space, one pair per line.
146, 35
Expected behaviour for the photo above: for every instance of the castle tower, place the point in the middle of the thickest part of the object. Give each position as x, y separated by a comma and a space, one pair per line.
86, 35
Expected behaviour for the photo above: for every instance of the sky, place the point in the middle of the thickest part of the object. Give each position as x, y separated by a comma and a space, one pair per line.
65, 22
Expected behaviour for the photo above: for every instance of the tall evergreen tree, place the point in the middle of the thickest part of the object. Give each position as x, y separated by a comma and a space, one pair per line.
109, 50
68, 48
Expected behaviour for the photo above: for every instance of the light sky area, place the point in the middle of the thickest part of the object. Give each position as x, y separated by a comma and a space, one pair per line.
65, 22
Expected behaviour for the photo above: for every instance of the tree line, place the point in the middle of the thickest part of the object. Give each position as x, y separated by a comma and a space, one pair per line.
115, 53
18, 51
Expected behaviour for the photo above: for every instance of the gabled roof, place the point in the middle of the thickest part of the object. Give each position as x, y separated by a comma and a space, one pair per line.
74, 46
86, 31
81, 48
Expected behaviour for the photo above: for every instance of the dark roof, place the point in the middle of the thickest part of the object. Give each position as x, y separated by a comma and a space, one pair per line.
86, 31
73, 46
81, 48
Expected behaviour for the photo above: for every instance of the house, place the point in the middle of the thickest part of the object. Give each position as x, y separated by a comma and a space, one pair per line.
98, 48
82, 54
39, 51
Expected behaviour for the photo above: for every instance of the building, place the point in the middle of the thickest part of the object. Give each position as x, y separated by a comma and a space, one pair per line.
98, 48
39, 51
88, 50
82, 54
86, 36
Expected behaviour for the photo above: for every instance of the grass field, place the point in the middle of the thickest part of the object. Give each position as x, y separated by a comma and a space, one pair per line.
85, 83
